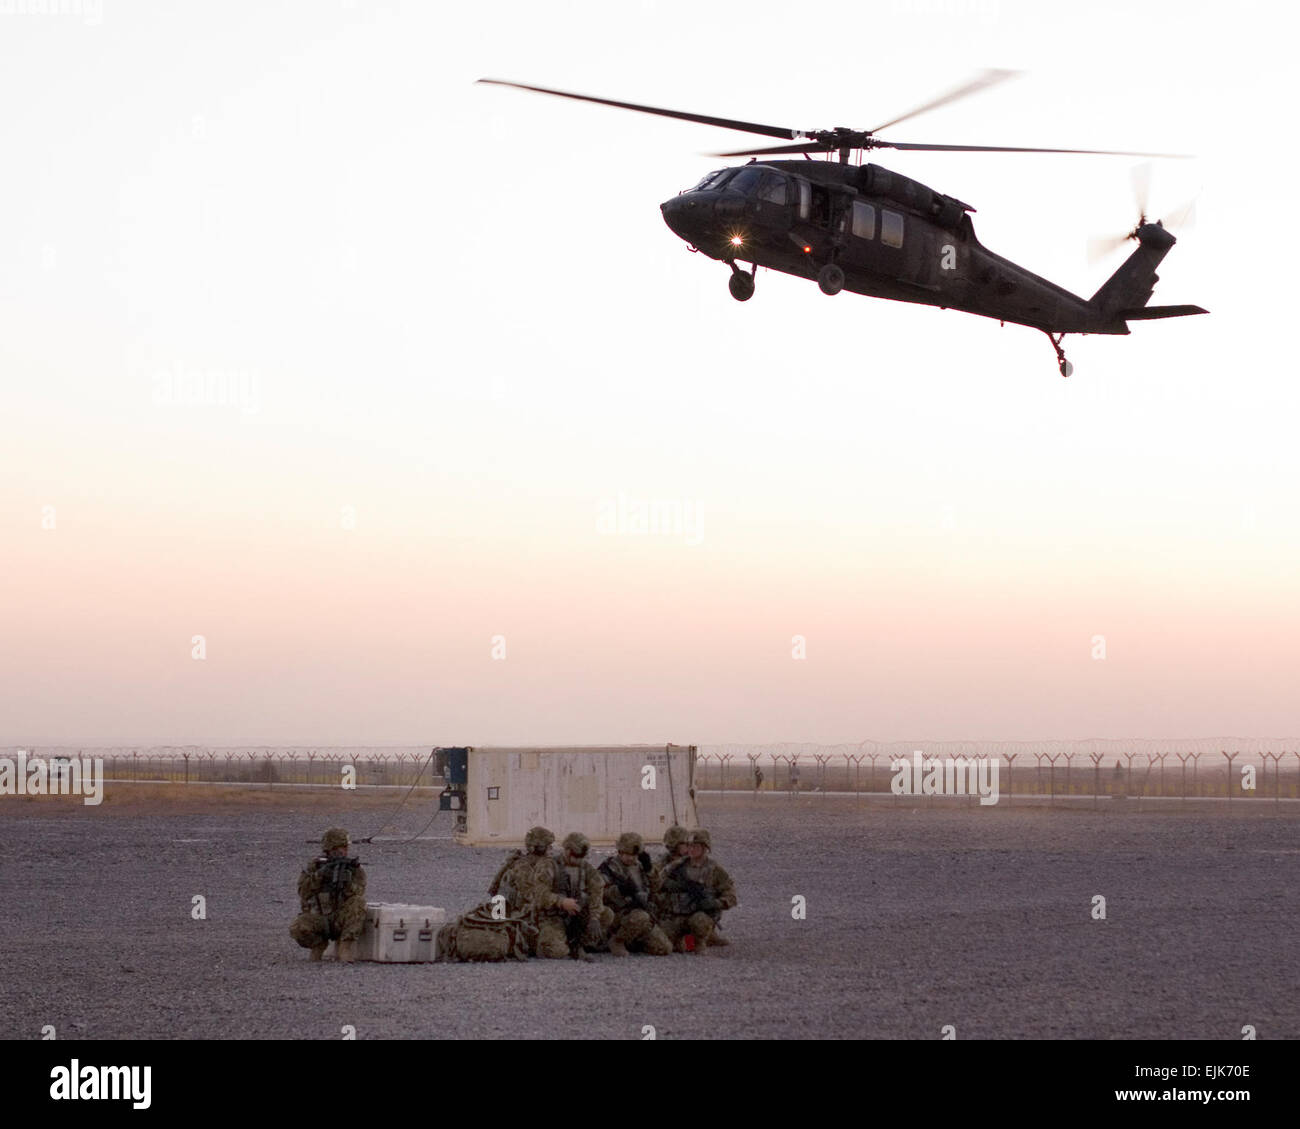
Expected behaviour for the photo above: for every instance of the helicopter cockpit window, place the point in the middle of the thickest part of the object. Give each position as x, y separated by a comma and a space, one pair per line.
773, 189
711, 181
746, 181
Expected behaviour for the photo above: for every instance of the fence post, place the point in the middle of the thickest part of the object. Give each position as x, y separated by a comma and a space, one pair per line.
1096, 777
1231, 757
821, 759
856, 758
1011, 787
187, 767
1277, 783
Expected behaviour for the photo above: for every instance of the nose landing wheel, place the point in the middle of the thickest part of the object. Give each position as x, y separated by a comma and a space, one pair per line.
741, 284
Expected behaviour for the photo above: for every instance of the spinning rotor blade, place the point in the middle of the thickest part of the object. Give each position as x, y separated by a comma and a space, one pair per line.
806, 147
1140, 180
981, 81
1017, 149
1103, 245
1140, 177
703, 119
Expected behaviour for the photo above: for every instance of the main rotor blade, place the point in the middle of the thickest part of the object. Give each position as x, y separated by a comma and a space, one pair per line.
1018, 149
703, 119
981, 81
804, 147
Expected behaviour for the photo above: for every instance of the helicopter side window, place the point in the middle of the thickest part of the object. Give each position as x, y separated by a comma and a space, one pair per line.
746, 181
864, 220
891, 229
773, 190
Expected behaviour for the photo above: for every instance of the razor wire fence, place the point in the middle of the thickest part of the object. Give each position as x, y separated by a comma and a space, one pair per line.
267, 767
1249, 769
1212, 768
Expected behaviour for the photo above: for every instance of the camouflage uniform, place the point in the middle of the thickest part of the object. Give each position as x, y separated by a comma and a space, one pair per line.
519, 876
558, 879
694, 895
629, 895
332, 897
673, 837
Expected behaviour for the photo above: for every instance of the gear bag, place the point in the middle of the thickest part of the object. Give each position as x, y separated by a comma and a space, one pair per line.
479, 936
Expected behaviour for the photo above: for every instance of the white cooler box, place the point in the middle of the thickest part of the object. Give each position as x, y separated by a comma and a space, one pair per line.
396, 933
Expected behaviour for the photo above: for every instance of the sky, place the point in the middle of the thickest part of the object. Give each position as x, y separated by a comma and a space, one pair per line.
335, 385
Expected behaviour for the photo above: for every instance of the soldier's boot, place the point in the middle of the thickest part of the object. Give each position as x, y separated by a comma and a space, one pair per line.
318, 950
617, 948
347, 951
716, 937
582, 955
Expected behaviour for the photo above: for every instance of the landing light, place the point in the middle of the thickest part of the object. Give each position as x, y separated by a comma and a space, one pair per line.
736, 241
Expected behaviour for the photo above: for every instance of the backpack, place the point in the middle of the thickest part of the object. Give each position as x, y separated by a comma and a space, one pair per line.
478, 936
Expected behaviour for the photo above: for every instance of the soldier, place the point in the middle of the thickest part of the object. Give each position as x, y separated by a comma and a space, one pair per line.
514, 880
628, 894
568, 895
332, 893
695, 890
676, 841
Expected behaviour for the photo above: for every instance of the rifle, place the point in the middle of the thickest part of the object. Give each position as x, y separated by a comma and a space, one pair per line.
335, 874
694, 892
630, 890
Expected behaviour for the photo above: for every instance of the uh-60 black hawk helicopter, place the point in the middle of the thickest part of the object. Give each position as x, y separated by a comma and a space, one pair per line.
863, 228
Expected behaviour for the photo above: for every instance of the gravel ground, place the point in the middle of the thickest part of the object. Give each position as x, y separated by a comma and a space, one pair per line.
916, 918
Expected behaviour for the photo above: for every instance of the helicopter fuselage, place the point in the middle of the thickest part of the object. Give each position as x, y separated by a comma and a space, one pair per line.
892, 237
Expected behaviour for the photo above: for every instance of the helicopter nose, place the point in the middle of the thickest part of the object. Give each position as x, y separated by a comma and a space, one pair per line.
679, 214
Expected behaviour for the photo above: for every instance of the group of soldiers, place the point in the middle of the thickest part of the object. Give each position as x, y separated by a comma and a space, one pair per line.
546, 905
630, 903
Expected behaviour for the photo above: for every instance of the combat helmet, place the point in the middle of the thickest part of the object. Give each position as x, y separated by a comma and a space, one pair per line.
703, 837
577, 843
630, 843
334, 837
675, 836
538, 839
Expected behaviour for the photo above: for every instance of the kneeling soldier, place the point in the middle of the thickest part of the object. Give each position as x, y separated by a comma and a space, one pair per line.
332, 895
696, 890
628, 895
569, 898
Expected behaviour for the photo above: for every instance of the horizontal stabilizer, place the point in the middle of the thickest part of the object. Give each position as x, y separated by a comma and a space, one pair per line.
1151, 313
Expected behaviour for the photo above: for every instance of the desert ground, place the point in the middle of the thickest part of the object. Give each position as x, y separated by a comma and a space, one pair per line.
917, 917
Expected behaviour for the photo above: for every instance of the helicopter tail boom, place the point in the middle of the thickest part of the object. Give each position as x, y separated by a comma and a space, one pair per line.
1124, 296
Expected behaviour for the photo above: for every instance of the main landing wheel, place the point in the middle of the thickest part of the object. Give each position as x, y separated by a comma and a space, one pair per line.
831, 279
741, 286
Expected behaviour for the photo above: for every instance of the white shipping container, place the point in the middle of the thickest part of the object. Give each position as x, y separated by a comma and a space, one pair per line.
600, 791
398, 933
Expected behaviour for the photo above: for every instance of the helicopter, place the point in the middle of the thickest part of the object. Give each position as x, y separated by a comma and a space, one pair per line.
863, 228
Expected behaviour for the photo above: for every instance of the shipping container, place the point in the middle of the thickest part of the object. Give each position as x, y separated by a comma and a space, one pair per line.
601, 791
